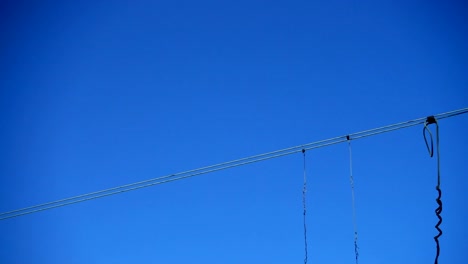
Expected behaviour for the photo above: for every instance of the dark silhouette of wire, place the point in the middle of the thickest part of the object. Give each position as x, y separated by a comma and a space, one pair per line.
438, 210
219, 166
351, 179
304, 204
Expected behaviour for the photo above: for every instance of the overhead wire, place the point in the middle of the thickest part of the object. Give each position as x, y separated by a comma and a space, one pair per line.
220, 166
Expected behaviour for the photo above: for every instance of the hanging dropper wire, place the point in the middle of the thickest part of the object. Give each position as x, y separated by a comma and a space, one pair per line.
438, 210
304, 191
351, 179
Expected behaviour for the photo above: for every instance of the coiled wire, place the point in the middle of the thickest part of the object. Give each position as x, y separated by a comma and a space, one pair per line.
438, 210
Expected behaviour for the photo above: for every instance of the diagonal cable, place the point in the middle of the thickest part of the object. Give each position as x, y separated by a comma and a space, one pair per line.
220, 166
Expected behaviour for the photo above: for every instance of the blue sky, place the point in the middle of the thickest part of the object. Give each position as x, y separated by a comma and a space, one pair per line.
103, 93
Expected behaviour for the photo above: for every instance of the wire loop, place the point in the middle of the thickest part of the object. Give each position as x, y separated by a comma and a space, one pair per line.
431, 148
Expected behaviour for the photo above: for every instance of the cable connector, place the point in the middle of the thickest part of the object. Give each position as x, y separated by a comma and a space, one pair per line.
431, 120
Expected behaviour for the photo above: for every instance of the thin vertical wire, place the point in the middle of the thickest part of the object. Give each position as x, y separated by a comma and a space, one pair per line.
304, 191
438, 210
351, 179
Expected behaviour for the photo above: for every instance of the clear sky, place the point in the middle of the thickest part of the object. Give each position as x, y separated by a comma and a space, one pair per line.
95, 94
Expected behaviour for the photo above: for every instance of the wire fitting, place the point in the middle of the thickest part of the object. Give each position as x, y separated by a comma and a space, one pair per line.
431, 120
